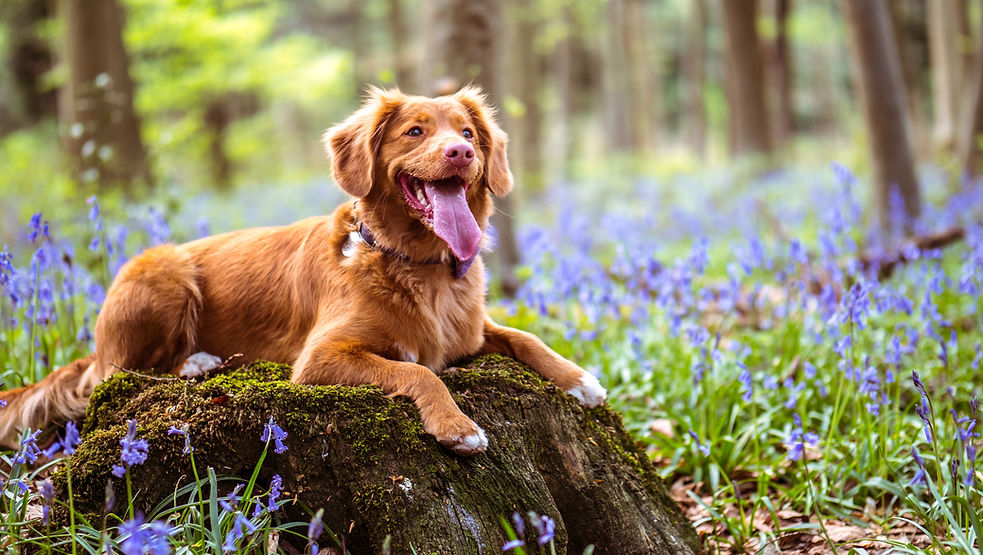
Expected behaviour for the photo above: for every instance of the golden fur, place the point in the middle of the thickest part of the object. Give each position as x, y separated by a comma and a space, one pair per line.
290, 294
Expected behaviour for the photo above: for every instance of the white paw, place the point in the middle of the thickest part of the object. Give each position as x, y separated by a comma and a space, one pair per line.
199, 363
470, 444
589, 392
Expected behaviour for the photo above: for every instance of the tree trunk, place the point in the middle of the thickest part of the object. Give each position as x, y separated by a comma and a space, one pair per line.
882, 91
527, 143
907, 20
29, 58
694, 71
96, 104
972, 128
746, 91
628, 102
463, 46
365, 459
943, 33
400, 45
781, 75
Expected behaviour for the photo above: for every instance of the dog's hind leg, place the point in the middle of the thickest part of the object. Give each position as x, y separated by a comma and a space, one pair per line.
61, 395
150, 316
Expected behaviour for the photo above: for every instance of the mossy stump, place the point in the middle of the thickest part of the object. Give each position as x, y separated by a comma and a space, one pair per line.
366, 460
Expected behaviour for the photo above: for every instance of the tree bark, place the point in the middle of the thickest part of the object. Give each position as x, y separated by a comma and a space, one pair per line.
694, 71
365, 459
96, 104
527, 143
746, 89
910, 31
943, 33
400, 45
972, 129
464, 46
781, 75
883, 98
29, 57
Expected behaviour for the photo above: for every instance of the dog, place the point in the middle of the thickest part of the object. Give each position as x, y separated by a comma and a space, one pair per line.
387, 290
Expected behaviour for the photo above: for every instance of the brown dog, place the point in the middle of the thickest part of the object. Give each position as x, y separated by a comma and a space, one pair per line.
388, 290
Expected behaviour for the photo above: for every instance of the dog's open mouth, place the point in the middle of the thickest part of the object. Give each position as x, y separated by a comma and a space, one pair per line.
444, 207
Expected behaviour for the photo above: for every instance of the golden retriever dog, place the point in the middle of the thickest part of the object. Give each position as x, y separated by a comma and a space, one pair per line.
387, 290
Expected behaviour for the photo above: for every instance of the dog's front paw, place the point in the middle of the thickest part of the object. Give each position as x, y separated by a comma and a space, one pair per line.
589, 391
198, 364
460, 435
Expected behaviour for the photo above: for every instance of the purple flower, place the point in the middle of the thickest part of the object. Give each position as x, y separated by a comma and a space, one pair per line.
134, 450
67, 443
920, 471
29, 450
240, 528
970, 464
6, 267
47, 491
314, 531
797, 439
182, 432
512, 544
140, 538
545, 527
705, 449
39, 228
276, 432
745, 379
276, 487
230, 503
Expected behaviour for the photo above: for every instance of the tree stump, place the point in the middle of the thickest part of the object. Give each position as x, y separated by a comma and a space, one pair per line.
366, 460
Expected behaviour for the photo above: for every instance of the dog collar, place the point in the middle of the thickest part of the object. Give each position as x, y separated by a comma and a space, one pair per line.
363, 235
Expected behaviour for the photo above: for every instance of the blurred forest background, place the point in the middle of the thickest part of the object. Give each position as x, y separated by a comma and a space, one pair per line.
162, 100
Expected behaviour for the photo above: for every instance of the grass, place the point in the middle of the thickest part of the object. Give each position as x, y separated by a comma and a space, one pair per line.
728, 317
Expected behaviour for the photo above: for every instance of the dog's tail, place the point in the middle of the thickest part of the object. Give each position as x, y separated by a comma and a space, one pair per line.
62, 395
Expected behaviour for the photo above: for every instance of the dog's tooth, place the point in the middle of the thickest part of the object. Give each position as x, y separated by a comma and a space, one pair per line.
420, 197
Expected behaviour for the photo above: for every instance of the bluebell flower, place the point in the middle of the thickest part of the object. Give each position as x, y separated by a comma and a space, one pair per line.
705, 449
6, 268
29, 450
745, 379
174, 430
140, 538
519, 523
39, 228
314, 531
134, 450
919, 477
970, 465
241, 527
809, 370
67, 443
276, 487
47, 491
797, 440
230, 503
545, 527
276, 432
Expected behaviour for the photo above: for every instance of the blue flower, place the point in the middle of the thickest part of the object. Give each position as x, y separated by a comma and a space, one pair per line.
134, 450
277, 433
183, 432
240, 528
276, 487
29, 450
705, 449
314, 531
745, 379
47, 491
140, 538
545, 527
797, 440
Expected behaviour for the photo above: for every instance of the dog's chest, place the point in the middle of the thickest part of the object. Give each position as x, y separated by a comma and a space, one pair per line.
443, 324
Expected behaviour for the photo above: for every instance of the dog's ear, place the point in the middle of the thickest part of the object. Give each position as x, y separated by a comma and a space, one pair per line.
491, 139
354, 144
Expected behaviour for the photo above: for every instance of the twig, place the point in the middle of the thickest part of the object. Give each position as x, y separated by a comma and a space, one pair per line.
886, 263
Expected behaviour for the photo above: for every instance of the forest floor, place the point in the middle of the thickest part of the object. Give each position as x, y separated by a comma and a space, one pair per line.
773, 535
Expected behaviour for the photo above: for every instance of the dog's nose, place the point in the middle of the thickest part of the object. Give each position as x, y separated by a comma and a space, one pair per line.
459, 154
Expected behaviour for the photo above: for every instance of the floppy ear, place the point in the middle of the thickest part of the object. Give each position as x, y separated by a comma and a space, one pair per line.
491, 139
354, 144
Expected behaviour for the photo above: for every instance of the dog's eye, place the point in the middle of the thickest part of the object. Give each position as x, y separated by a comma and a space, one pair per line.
467, 134
414, 131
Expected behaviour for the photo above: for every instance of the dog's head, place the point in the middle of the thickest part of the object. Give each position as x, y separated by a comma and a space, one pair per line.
427, 164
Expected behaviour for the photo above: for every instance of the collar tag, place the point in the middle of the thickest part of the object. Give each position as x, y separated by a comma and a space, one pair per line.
351, 244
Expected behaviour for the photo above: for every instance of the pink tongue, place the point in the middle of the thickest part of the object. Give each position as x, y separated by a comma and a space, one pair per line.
452, 219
